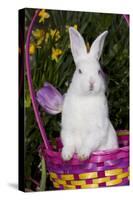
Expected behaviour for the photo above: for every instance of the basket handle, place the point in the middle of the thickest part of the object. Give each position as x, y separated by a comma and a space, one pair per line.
30, 83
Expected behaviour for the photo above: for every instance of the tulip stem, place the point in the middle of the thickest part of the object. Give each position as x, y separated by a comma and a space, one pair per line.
43, 175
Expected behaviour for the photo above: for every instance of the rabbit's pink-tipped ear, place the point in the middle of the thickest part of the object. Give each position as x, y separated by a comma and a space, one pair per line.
78, 47
97, 45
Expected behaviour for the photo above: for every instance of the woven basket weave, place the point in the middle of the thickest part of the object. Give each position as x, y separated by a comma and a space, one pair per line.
103, 168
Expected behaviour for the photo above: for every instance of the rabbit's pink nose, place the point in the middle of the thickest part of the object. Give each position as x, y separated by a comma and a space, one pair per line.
91, 84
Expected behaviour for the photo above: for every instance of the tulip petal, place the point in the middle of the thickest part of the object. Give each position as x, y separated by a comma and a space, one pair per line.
50, 99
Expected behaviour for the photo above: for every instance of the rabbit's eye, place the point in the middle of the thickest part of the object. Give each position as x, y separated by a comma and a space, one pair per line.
80, 72
99, 71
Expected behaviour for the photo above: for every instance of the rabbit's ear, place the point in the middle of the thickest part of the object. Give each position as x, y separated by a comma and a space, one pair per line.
97, 45
78, 47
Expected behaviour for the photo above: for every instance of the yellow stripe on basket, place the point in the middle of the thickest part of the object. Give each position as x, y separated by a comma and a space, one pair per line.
88, 175
59, 181
67, 177
101, 180
113, 182
113, 172
53, 175
69, 187
122, 133
89, 186
78, 182
56, 185
123, 175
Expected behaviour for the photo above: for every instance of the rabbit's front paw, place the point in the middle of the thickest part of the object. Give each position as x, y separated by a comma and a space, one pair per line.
84, 153
67, 153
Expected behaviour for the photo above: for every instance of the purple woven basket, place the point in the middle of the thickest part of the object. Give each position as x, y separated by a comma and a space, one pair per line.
103, 168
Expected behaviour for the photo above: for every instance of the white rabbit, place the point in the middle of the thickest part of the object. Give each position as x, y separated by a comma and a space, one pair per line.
85, 121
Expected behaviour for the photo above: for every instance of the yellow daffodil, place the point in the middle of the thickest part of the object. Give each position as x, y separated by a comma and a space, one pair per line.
56, 53
32, 48
38, 33
39, 42
39, 36
74, 26
43, 15
46, 37
55, 34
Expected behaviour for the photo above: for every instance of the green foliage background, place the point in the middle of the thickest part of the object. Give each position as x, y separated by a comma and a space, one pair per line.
114, 60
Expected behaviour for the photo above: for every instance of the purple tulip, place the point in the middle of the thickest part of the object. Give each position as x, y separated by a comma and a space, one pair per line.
50, 99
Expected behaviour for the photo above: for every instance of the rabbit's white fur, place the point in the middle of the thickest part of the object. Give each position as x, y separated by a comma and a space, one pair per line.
85, 122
